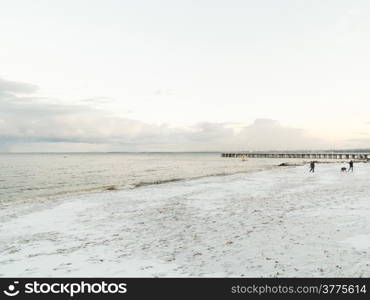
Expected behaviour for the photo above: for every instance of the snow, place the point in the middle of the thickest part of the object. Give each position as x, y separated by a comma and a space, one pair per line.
273, 223
360, 241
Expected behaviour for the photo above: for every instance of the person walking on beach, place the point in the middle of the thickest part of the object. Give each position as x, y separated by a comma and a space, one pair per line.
312, 166
350, 166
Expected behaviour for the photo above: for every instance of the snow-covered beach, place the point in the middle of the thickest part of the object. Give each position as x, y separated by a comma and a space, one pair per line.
279, 222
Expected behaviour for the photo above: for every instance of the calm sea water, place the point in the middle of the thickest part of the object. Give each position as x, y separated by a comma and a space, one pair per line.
26, 177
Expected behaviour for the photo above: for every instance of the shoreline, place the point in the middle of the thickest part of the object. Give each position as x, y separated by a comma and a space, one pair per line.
69, 194
24, 207
273, 223
63, 195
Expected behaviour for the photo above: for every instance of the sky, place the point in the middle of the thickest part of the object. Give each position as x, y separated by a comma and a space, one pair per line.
205, 75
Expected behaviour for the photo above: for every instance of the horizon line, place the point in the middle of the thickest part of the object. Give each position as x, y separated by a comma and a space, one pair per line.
214, 151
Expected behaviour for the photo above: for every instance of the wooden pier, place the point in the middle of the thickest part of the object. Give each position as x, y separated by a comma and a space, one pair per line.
304, 155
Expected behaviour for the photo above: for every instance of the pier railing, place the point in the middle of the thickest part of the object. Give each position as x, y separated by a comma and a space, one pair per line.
308, 155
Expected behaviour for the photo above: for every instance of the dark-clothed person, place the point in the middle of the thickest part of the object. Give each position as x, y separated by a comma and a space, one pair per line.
312, 166
350, 166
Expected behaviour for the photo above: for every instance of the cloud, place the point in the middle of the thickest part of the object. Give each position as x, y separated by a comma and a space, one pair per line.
29, 123
98, 100
266, 134
7, 86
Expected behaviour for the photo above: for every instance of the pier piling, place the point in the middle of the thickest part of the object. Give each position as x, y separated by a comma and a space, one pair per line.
304, 155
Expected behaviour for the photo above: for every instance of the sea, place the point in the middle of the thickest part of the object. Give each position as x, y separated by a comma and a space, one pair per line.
27, 177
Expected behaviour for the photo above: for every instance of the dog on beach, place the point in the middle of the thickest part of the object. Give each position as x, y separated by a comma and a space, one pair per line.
343, 169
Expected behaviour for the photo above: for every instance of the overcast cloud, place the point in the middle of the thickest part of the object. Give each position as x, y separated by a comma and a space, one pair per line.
29, 123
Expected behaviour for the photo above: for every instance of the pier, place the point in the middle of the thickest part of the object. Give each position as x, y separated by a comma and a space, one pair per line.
304, 155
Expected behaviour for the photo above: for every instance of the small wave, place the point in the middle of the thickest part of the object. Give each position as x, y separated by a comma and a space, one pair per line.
56, 193
87, 190
145, 183
155, 182
110, 188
